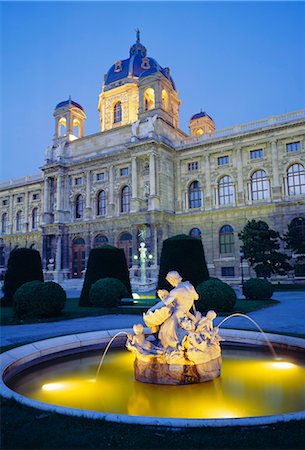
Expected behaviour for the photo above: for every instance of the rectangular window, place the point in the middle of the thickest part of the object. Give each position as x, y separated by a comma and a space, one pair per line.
227, 272
223, 160
124, 171
192, 166
78, 181
5, 202
35, 196
100, 176
258, 153
19, 199
293, 147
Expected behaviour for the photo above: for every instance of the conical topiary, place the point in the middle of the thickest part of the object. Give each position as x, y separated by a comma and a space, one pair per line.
184, 254
104, 262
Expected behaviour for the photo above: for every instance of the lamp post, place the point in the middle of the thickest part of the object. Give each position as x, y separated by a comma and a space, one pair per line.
241, 254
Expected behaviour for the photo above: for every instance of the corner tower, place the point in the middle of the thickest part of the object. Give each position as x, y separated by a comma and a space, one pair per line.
69, 121
137, 87
201, 123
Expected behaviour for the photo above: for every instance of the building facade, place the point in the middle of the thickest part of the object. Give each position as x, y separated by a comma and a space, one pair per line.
140, 175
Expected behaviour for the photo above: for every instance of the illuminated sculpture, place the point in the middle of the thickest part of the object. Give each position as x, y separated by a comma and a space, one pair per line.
184, 347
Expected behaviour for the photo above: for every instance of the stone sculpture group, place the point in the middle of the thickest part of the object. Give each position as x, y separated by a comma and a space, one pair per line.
183, 346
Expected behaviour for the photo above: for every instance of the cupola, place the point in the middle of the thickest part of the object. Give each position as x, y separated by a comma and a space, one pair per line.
201, 123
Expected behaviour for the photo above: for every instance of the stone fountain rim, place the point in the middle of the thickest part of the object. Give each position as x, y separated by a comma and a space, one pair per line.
15, 360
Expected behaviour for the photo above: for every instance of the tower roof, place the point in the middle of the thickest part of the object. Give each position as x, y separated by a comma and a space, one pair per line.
199, 115
67, 103
138, 65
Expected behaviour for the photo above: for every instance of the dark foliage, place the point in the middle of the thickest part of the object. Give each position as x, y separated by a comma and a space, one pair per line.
295, 242
215, 294
36, 299
261, 249
24, 265
184, 254
257, 289
105, 262
107, 292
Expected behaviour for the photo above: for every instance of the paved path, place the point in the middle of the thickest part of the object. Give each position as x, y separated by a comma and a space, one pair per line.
288, 316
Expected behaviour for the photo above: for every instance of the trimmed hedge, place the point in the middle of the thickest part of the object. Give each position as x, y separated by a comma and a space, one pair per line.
24, 265
104, 262
215, 294
258, 289
107, 292
184, 254
36, 299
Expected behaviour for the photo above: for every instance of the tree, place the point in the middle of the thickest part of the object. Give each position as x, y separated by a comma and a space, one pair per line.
295, 242
261, 249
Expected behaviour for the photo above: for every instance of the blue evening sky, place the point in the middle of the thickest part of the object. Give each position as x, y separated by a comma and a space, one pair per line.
239, 61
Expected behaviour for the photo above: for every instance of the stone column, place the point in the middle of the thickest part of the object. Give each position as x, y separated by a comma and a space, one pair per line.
59, 192
276, 188
208, 199
88, 195
134, 177
58, 253
11, 214
46, 200
152, 174
178, 186
111, 191
240, 188
26, 212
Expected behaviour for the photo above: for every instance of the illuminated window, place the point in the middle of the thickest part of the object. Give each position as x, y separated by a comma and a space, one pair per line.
76, 127
259, 185
195, 195
117, 112
118, 66
192, 166
226, 239
164, 100
225, 191
223, 160
125, 199
149, 99
293, 147
296, 179
79, 207
18, 221
34, 219
4, 223
62, 126
101, 203
258, 153
199, 132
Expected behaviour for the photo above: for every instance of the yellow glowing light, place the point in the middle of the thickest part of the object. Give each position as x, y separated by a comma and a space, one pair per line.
135, 295
282, 365
52, 386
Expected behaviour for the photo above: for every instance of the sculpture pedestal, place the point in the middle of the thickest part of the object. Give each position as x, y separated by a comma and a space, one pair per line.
154, 372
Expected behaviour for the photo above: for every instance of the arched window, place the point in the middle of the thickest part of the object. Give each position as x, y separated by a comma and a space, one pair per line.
225, 191
4, 223
195, 232
76, 127
296, 179
101, 203
34, 219
100, 240
18, 221
164, 99
259, 185
125, 199
117, 112
79, 207
149, 99
226, 239
195, 195
62, 126
199, 132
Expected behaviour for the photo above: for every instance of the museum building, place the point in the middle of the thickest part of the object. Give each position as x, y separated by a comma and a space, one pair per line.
141, 178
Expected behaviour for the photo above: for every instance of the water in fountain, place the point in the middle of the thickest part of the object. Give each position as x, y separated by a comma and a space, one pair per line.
257, 326
105, 352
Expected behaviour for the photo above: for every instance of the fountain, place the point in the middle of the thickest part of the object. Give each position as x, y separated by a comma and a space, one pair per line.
183, 347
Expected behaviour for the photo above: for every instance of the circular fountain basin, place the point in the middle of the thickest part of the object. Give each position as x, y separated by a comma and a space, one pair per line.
59, 375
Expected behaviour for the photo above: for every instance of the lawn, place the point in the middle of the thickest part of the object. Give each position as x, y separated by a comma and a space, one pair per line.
73, 311
28, 428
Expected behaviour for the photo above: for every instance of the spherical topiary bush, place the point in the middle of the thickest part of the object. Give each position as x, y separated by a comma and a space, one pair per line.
215, 294
258, 289
107, 292
36, 299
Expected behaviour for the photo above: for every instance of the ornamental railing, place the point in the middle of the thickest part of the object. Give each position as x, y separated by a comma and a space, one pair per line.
22, 180
244, 128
